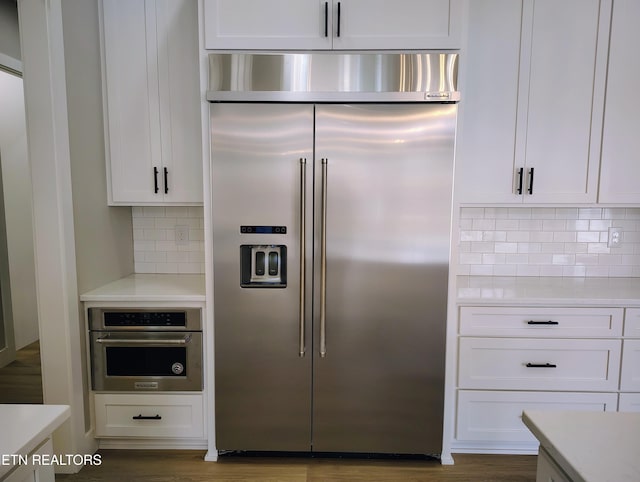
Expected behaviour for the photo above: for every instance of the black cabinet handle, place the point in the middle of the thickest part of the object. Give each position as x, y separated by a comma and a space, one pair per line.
541, 365
532, 322
530, 181
326, 19
144, 417
166, 180
520, 180
155, 179
338, 31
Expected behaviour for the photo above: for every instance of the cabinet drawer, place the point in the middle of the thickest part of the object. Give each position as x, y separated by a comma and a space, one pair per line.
540, 322
169, 416
632, 322
539, 364
497, 416
630, 373
629, 402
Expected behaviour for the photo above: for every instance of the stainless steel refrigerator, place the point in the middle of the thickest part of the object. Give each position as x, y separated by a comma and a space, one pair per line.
331, 228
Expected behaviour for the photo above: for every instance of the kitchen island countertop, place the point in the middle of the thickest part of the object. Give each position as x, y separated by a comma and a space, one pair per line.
589, 446
24, 427
548, 291
151, 288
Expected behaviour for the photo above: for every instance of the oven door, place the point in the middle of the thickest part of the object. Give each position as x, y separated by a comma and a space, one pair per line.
144, 361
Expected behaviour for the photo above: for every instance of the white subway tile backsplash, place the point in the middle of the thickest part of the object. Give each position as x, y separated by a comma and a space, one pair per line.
506, 247
155, 249
566, 213
590, 213
564, 237
569, 242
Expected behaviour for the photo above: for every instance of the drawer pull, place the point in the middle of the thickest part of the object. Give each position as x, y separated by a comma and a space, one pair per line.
144, 417
541, 365
532, 322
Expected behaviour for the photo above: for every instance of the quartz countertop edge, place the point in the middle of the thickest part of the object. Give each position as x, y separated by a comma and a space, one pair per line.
141, 287
25, 426
547, 290
589, 446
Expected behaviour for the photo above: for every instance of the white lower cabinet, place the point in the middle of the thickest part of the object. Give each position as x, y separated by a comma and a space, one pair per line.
629, 402
539, 364
548, 470
630, 371
149, 415
512, 359
35, 472
630, 375
496, 416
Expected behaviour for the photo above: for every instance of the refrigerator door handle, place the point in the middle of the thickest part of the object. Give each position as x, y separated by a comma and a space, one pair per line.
323, 263
303, 244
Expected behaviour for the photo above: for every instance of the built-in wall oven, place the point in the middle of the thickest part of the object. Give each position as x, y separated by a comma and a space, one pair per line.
145, 349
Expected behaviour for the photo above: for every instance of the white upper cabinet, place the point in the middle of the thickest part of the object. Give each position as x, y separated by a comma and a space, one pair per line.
532, 105
332, 24
486, 137
151, 101
620, 170
268, 24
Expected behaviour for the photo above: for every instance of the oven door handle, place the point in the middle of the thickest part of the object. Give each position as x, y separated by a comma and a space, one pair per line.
105, 340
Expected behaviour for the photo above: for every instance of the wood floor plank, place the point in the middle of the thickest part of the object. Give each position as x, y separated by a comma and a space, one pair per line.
189, 466
21, 380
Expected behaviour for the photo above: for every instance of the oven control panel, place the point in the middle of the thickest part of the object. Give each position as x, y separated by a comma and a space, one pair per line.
145, 318
167, 319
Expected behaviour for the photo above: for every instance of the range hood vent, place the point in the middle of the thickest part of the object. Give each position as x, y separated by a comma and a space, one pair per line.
331, 77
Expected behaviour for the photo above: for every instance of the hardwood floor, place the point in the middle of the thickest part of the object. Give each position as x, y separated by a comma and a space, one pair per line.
21, 380
188, 466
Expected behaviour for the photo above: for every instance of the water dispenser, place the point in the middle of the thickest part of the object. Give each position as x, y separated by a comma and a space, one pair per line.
263, 266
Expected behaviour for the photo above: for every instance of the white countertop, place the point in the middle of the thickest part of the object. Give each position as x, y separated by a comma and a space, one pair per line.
544, 290
151, 287
24, 427
590, 446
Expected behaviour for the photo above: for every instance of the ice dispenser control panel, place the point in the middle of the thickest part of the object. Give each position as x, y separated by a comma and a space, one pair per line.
263, 266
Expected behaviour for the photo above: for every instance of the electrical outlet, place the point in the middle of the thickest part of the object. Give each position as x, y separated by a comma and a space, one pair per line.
182, 234
615, 237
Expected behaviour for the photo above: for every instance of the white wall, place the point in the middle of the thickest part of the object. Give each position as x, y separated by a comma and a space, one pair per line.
103, 234
16, 178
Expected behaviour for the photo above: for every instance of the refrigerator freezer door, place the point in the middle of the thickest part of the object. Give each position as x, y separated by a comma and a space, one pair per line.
263, 386
388, 175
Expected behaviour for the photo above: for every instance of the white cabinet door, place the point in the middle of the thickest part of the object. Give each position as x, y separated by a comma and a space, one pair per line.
620, 168
132, 121
540, 322
485, 146
632, 323
497, 416
152, 101
528, 110
630, 373
268, 24
539, 364
180, 101
566, 75
401, 24
149, 415
629, 402
332, 24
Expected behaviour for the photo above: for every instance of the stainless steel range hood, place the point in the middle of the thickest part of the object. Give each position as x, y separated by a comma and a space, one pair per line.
333, 77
